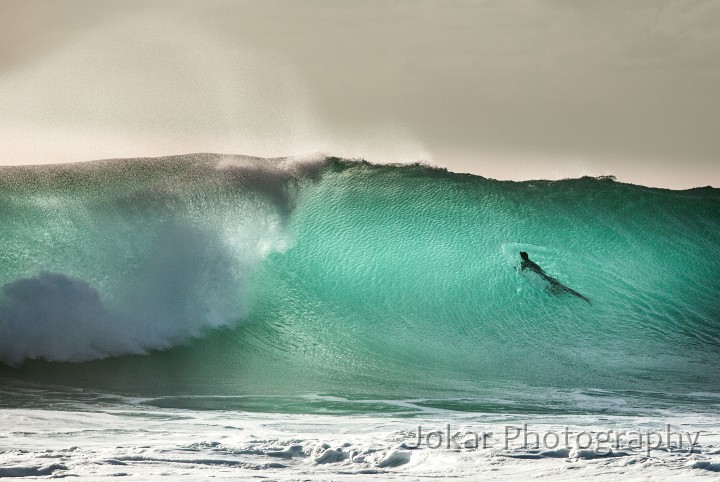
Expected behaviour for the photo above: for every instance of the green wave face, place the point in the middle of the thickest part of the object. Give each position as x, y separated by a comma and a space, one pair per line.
238, 276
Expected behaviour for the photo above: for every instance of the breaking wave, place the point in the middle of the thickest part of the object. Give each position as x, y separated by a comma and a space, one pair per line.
273, 276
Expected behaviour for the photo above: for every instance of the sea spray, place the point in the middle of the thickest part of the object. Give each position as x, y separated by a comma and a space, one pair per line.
144, 256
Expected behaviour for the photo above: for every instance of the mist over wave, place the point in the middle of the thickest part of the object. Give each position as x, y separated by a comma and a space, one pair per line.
279, 276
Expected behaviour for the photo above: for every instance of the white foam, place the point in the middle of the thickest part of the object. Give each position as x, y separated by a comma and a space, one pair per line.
95, 441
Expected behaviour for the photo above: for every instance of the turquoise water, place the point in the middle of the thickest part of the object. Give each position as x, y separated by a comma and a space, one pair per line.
221, 276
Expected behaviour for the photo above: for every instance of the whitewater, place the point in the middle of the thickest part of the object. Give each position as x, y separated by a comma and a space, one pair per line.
236, 316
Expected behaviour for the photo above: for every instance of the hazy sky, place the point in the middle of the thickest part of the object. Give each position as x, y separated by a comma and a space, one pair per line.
506, 89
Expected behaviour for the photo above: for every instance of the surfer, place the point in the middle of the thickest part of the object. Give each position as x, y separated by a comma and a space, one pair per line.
555, 286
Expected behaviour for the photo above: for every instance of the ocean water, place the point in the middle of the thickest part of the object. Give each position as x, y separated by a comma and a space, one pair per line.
266, 305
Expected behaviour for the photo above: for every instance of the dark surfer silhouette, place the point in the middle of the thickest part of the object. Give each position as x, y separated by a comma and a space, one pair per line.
556, 287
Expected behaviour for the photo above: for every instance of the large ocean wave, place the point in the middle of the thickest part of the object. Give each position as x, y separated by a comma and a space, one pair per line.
243, 275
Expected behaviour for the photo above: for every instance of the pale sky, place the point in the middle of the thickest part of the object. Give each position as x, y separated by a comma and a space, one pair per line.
509, 89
